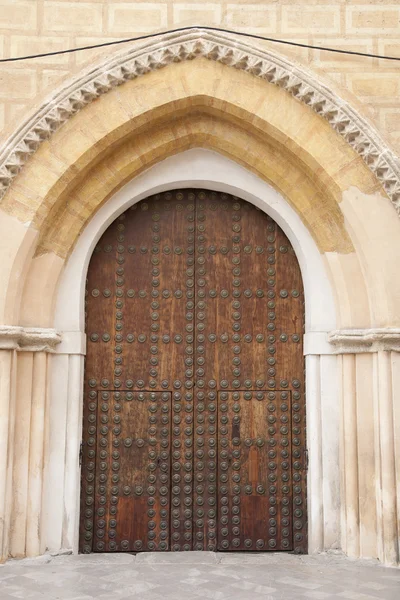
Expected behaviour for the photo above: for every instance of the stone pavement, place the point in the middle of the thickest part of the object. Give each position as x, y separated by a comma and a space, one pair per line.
195, 575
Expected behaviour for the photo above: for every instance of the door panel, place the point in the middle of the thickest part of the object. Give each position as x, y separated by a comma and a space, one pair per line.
249, 325
140, 325
132, 500
254, 470
197, 294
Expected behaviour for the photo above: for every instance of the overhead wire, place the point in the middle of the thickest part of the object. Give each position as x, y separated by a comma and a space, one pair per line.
203, 27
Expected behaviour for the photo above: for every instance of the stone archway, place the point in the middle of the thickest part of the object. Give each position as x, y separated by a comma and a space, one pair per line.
201, 168
316, 166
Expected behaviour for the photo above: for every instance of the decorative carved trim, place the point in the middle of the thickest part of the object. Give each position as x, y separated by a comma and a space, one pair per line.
227, 49
355, 341
30, 339
9, 337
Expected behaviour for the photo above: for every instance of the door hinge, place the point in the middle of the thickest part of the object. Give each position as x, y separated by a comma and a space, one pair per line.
306, 459
80, 454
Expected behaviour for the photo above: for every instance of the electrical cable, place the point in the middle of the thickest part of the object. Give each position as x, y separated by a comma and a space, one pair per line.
206, 28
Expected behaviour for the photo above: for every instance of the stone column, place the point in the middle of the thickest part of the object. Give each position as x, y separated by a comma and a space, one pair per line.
322, 401
370, 455
23, 375
7, 362
9, 337
60, 508
36, 448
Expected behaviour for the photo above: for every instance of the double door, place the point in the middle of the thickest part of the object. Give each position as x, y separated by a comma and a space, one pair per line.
194, 415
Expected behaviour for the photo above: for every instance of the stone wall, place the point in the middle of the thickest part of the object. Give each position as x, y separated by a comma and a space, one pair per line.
335, 183
36, 26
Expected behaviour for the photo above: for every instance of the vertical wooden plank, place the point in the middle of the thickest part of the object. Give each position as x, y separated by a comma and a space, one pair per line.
132, 495
179, 273
212, 352
289, 331
254, 469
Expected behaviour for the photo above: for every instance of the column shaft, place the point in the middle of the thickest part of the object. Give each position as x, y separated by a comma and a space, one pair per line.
6, 360
35, 481
350, 456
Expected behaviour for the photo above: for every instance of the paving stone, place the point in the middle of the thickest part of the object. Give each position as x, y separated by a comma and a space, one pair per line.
198, 575
173, 558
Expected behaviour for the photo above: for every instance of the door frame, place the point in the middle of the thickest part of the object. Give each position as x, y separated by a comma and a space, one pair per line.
201, 168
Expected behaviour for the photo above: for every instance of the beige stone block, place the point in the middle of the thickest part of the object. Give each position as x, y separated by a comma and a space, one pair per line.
136, 17
327, 59
2, 115
17, 83
378, 85
21, 15
375, 227
26, 45
333, 77
293, 52
50, 162
35, 185
15, 246
251, 17
391, 118
350, 291
133, 99
87, 56
72, 17
356, 173
52, 78
394, 141
2, 42
197, 14
389, 48
73, 146
303, 19
16, 204
15, 111
116, 117
373, 19
38, 295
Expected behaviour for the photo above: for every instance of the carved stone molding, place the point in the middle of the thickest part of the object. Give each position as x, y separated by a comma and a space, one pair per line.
355, 341
138, 60
32, 339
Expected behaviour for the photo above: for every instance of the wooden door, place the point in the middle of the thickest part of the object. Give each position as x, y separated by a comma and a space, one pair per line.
132, 477
254, 469
194, 311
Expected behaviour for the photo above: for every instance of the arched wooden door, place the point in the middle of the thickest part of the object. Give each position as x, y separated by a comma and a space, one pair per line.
194, 408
